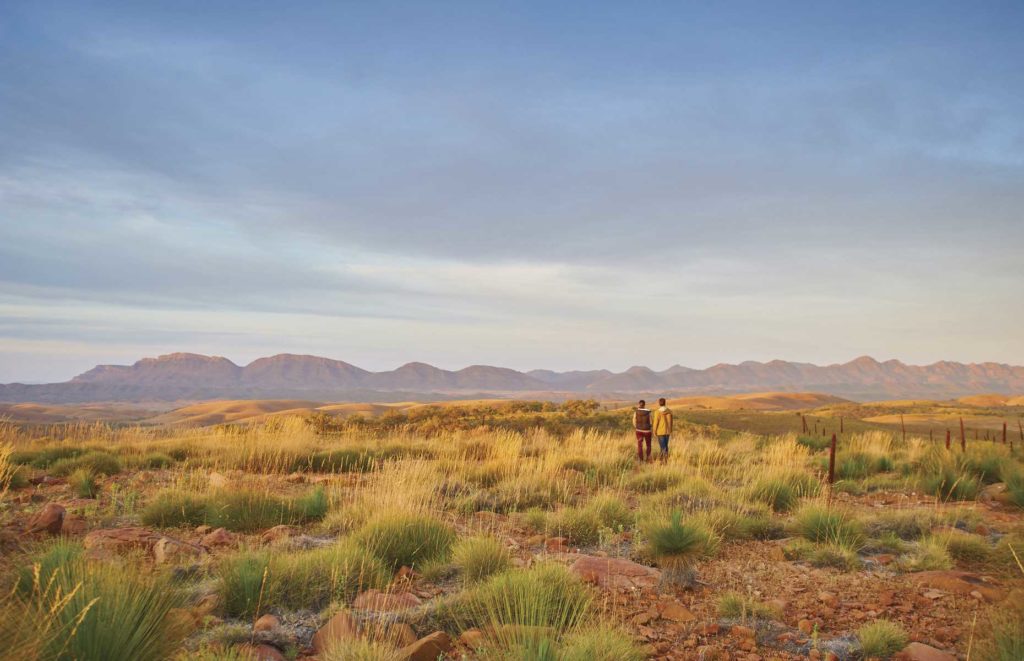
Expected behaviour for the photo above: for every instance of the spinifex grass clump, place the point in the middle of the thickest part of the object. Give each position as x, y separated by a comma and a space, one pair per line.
677, 544
518, 603
1014, 478
401, 539
826, 525
252, 580
102, 463
579, 526
735, 606
881, 639
603, 642
476, 558
612, 512
929, 554
782, 492
245, 510
83, 481
943, 474
103, 612
157, 460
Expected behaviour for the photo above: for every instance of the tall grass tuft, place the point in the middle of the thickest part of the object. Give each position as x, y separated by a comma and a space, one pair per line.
476, 558
881, 639
825, 525
401, 539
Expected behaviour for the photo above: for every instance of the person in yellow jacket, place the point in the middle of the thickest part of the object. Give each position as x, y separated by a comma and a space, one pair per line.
663, 427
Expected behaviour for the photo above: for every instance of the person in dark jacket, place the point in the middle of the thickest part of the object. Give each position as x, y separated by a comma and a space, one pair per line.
644, 430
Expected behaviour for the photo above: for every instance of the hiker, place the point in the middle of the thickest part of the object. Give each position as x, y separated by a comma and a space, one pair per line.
642, 425
662, 427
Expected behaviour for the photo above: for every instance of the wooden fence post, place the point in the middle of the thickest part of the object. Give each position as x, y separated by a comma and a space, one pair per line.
1004, 432
963, 437
947, 437
803, 420
832, 461
840, 424
904, 428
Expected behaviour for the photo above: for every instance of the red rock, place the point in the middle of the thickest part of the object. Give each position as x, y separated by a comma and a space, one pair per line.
48, 520
400, 634
922, 652
827, 598
677, 613
805, 626
266, 623
472, 638
387, 602
168, 550
427, 649
218, 537
709, 629
616, 573
119, 540
557, 544
739, 631
262, 652
340, 627
958, 582
278, 533
74, 525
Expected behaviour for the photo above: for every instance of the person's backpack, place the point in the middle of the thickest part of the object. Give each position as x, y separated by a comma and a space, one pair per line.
643, 420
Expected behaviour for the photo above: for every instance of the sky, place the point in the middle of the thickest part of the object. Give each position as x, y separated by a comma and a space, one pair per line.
568, 185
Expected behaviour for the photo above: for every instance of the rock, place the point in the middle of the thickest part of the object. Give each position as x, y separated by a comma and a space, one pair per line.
677, 613
218, 537
615, 573
711, 653
805, 626
74, 525
400, 634
266, 622
739, 631
827, 598
340, 627
958, 582
472, 638
557, 544
278, 533
427, 649
48, 520
203, 529
112, 541
167, 550
922, 652
993, 493
385, 602
262, 652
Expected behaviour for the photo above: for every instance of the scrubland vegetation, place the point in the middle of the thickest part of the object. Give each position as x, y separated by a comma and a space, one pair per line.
475, 530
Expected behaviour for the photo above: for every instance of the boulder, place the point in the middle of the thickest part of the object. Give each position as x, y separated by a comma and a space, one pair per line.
266, 622
427, 649
557, 544
400, 634
106, 541
340, 627
218, 537
278, 533
958, 582
74, 525
48, 520
994, 493
676, 612
385, 602
167, 550
472, 638
922, 652
262, 652
615, 572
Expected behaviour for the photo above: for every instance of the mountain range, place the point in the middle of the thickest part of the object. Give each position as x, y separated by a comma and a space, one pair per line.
190, 377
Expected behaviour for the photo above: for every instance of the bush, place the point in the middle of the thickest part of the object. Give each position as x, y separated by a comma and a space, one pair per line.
245, 510
102, 463
942, 475
546, 595
44, 457
881, 639
479, 557
612, 512
315, 579
967, 548
108, 614
157, 460
1015, 486
651, 481
832, 555
174, 509
814, 442
930, 554
829, 526
735, 606
406, 539
83, 481
676, 544
581, 527
600, 643
60, 553
242, 582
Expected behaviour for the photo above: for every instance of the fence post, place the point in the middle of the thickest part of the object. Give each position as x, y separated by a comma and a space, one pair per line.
832, 461
803, 421
904, 428
1004, 432
947, 438
840, 424
963, 437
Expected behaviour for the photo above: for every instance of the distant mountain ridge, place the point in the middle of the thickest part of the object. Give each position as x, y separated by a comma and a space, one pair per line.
188, 376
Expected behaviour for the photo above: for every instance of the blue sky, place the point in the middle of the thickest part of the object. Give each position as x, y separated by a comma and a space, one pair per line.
563, 185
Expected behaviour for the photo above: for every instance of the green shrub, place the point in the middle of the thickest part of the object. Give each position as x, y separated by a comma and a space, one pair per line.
829, 526
546, 595
109, 614
968, 549
1008, 554
881, 639
986, 463
42, 458
815, 443
83, 482
535, 519
174, 509
314, 579
600, 643
650, 481
832, 555
102, 463
612, 512
735, 606
243, 581
581, 527
406, 539
942, 475
60, 553
157, 460
677, 543
1015, 486
479, 557
930, 554
906, 524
